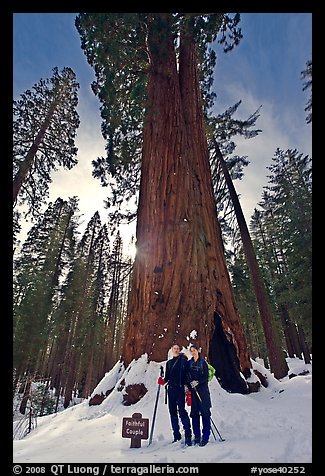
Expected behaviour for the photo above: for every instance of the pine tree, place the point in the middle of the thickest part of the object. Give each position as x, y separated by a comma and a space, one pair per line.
290, 186
82, 310
277, 360
44, 131
119, 272
94, 343
281, 230
64, 332
32, 301
180, 276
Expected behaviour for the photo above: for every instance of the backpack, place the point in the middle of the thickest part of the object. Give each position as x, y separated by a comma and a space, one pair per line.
211, 372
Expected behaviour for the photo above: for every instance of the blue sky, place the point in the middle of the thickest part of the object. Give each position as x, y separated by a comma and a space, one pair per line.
263, 70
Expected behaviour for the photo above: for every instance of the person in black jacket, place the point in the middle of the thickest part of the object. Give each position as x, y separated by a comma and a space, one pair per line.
197, 380
175, 376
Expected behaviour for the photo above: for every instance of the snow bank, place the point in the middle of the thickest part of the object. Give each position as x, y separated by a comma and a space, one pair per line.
109, 380
270, 426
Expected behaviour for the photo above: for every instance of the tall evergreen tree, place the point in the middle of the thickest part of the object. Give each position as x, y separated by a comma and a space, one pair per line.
82, 311
276, 356
94, 336
114, 303
180, 279
270, 243
281, 230
63, 355
44, 131
291, 189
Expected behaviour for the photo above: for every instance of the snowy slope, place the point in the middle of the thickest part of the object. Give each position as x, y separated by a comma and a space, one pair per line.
271, 426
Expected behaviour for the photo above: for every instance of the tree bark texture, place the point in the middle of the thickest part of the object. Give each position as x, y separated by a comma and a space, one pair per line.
180, 276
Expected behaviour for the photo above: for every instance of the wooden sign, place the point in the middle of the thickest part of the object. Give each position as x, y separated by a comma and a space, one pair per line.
136, 428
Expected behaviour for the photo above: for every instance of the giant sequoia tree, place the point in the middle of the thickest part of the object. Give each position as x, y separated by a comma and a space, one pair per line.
156, 63
44, 131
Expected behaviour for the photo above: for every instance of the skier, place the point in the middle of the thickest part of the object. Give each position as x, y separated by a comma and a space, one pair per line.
176, 369
197, 379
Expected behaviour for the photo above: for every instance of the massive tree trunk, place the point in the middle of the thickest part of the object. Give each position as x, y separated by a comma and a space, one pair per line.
276, 355
180, 276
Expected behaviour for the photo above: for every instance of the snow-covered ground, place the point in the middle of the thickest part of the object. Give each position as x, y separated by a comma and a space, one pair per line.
271, 426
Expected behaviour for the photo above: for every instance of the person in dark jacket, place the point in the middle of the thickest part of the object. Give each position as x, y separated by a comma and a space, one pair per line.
175, 376
197, 380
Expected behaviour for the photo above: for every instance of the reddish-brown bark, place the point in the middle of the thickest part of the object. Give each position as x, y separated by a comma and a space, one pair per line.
180, 276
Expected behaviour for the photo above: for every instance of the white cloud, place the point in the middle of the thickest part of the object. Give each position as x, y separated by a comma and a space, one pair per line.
79, 181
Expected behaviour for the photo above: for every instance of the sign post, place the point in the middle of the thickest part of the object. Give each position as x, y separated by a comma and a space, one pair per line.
136, 428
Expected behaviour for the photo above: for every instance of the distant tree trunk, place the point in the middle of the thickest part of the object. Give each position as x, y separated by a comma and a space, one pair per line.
67, 367
43, 369
249, 340
278, 363
122, 319
86, 388
304, 345
294, 337
57, 394
89, 377
26, 395
291, 333
59, 360
73, 357
114, 307
108, 361
180, 276
71, 378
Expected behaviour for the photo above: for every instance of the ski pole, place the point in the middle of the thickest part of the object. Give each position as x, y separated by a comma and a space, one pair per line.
155, 408
215, 426
212, 431
221, 439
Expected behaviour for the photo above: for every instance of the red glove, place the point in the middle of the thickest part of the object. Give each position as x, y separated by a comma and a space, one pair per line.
188, 398
161, 381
